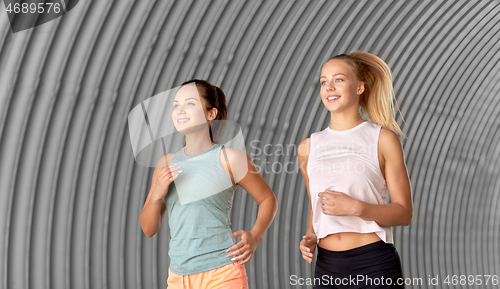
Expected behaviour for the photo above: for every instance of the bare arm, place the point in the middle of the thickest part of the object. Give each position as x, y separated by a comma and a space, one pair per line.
308, 242
154, 208
303, 153
399, 212
247, 176
260, 191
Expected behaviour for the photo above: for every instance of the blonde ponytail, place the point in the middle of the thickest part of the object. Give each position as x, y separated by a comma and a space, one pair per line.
378, 99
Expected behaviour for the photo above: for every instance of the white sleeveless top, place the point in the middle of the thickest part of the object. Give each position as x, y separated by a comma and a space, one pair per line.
347, 161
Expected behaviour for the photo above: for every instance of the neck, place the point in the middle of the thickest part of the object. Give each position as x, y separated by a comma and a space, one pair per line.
197, 143
344, 120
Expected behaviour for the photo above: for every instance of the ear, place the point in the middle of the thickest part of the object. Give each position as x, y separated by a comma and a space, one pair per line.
212, 114
361, 88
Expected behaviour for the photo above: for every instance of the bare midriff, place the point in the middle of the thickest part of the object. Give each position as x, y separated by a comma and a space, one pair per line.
347, 240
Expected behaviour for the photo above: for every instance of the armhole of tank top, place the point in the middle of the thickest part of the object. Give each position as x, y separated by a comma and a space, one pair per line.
228, 166
310, 148
377, 161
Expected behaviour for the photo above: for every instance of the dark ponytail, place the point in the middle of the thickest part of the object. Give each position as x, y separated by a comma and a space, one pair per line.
213, 97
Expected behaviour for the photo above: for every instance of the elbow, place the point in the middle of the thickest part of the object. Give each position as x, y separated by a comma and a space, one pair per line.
148, 232
407, 219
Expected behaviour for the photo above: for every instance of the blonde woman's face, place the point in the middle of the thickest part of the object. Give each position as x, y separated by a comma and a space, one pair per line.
189, 110
340, 88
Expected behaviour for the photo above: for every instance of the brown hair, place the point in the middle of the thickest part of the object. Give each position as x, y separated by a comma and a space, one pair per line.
377, 99
214, 97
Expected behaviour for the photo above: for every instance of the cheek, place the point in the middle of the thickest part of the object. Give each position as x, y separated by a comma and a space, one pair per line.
197, 112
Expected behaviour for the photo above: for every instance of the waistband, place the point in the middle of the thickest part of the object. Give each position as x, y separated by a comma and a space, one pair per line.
355, 251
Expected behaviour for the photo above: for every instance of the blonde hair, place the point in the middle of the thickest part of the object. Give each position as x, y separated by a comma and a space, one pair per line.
378, 97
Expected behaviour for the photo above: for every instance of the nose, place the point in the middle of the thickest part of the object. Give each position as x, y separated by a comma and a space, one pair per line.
180, 109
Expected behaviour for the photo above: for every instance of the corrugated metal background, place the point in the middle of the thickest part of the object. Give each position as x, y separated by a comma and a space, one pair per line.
71, 192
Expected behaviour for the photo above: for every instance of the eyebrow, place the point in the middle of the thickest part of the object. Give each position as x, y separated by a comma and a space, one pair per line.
333, 75
187, 99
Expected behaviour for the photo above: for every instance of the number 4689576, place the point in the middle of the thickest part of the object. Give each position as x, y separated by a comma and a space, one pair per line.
471, 280
33, 8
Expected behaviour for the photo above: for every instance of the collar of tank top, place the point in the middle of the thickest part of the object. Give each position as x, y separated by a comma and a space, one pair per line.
347, 130
197, 154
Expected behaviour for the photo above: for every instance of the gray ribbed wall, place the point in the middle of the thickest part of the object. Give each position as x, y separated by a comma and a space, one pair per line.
71, 192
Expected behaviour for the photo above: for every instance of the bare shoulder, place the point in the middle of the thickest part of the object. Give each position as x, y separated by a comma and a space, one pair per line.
161, 162
389, 143
239, 163
233, 155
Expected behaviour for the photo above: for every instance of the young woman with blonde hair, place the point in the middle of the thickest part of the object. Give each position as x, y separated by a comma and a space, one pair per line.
202, 251
347, 168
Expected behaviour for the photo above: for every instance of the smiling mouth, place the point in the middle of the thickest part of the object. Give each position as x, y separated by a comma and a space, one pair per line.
333, 98
182, 120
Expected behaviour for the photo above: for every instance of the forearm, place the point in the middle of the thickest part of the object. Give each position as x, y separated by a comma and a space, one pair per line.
310, 228
151, 217
386, 215
265, 216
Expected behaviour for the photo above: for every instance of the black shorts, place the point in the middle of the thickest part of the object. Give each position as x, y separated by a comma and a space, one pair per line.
376, 265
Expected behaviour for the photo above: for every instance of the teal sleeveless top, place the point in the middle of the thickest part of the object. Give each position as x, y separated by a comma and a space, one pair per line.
199, 204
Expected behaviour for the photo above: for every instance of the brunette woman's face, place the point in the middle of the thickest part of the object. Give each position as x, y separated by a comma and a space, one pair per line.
189, 112
340, 89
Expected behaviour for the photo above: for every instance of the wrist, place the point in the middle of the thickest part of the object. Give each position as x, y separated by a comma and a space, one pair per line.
360, 209
156, 198
256, 235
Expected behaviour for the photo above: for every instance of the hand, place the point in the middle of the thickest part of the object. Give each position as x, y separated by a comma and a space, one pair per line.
339, 204
244, 248
164, 178
307, 246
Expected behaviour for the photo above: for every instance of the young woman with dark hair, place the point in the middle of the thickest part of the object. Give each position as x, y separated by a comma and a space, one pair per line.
198, 204
347, 168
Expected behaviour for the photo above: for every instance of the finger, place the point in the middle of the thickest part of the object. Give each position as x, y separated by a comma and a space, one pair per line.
238, 245
233, 247
167, 174
246, 259
234, 253
304, 248
172, 178
175, 173
240, 257
237, 250
306, 238
237, 233
307, 252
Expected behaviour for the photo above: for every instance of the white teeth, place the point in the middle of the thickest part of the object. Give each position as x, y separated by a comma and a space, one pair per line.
182, 120
333, 97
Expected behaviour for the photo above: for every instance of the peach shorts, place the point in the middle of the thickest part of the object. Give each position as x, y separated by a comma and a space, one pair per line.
231, 276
